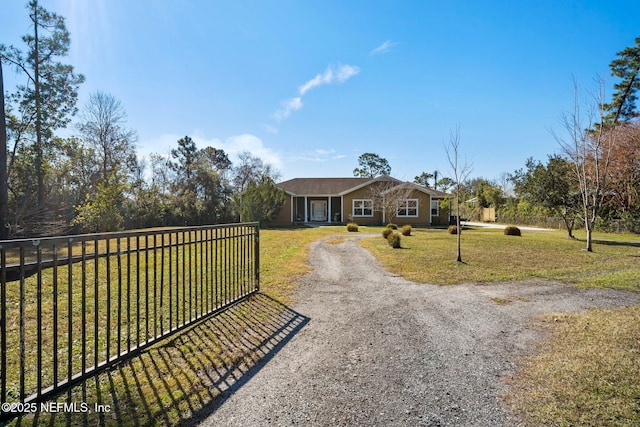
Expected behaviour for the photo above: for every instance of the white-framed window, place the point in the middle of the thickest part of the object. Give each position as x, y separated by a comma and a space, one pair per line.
362, 207
435, 208
408, 207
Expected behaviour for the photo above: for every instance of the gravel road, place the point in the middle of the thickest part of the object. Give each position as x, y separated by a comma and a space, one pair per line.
381, 351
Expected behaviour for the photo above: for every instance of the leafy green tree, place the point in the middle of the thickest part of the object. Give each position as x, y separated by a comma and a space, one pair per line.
552, 186
103, 211
201, 185
627, 68
423, 179
48, 100
371, 166
488, 194
444, 184
261, 201
212, 185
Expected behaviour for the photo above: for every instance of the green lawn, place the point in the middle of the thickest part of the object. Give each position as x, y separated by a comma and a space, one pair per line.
429, 256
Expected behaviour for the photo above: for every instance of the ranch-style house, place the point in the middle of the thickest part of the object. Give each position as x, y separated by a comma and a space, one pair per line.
366, 201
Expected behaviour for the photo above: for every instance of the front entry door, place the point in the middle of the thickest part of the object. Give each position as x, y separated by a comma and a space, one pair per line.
318, 210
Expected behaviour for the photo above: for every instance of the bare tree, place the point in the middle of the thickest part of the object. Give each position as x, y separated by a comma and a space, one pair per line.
588, 145
387, 195
461, 170
103, 128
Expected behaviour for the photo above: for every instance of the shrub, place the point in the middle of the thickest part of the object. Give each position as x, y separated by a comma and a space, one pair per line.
406, 230
453, 229
392, 226
352, 226
386, 232
394, 240
512, 231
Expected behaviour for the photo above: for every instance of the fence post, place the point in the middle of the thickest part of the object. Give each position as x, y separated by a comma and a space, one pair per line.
257, 255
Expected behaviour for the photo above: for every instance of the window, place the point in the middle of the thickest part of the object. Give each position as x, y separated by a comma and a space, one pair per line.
408, 207
435, 208
362, 207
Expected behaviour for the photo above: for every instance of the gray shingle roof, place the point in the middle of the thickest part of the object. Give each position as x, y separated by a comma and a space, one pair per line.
320, 186
335, 186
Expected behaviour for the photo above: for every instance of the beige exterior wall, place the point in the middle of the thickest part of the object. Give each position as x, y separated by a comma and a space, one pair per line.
347, 208
423, 219
442, 218
284, 216
424, 207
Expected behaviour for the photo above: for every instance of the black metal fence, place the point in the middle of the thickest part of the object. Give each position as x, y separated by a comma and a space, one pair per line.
74, 305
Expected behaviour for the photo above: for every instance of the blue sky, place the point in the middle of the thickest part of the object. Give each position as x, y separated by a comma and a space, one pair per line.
308, 86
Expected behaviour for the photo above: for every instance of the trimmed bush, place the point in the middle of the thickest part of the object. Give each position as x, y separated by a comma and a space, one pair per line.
512, 231
352, 226
392, 226
386, 232
406, 230
453, 229
394, 240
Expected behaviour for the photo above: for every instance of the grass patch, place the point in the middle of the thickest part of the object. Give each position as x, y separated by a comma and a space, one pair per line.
176, 381
587, 373
489, 256
284, 257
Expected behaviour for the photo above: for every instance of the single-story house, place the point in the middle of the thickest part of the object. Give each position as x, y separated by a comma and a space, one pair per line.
366, 201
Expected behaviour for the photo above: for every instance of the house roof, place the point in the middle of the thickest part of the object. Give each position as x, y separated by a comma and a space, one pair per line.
427, 190
320, 186
340, 186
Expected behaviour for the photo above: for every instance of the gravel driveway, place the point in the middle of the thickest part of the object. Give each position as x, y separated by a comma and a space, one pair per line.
379, 350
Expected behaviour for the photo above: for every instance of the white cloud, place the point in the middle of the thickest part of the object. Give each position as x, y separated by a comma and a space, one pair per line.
318, 155
270, 129
233, 146
293, 104
331, 75
341, 75
384, 47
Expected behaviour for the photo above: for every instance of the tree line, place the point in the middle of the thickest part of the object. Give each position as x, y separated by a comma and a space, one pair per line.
94, 180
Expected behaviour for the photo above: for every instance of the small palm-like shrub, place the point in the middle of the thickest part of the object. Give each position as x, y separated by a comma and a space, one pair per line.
512, 231
392, 226
406, 230
386, 232
352, 226
394, 240
453, 229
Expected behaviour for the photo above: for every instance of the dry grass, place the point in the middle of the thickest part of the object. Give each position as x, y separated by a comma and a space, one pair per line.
587, 374
489, 256
284, 256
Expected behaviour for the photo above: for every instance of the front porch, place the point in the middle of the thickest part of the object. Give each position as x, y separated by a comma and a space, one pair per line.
317, 209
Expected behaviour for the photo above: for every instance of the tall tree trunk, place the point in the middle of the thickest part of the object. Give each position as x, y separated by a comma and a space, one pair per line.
459, 228
4, 192
39, 148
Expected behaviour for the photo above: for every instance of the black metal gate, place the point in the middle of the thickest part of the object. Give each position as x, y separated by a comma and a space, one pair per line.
74, 305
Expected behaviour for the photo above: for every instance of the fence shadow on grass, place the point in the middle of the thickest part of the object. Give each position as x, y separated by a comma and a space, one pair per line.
181, 380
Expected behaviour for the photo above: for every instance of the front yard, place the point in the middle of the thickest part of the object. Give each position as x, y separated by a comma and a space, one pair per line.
428, 256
